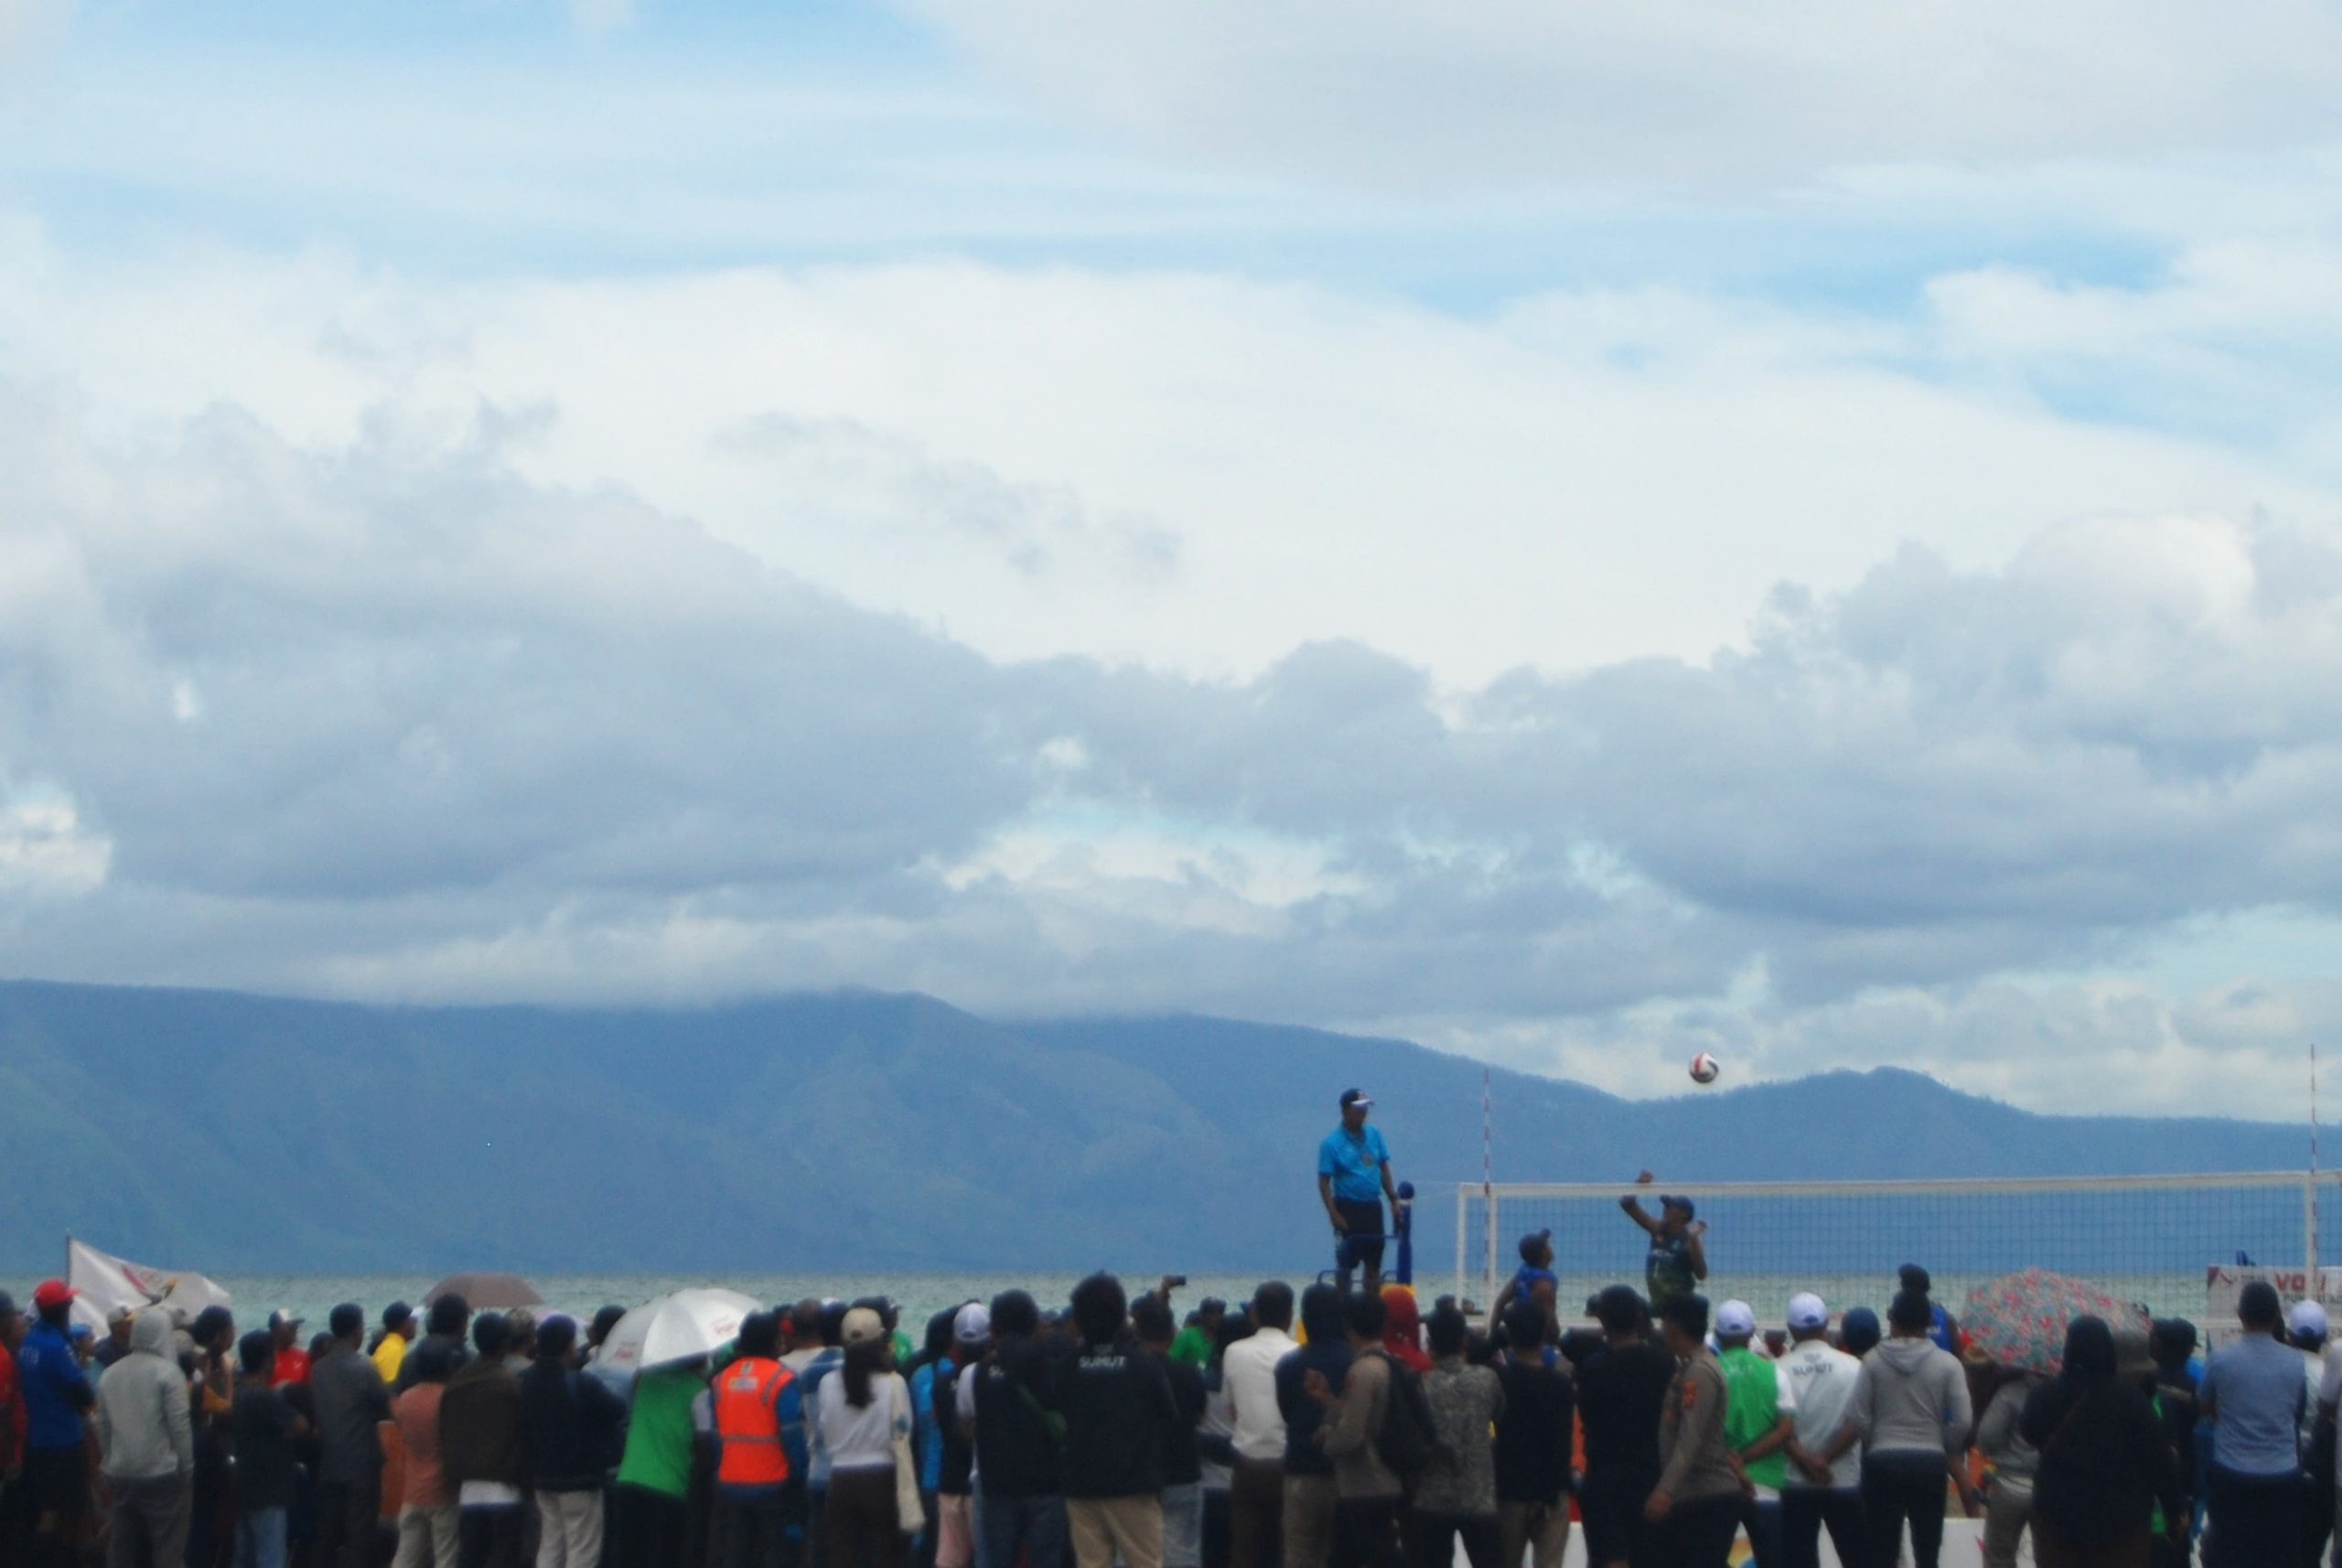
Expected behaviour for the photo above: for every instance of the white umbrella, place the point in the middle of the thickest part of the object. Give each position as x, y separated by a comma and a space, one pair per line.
673, 1328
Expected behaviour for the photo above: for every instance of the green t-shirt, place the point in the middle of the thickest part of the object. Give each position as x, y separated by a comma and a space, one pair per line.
659, 1435
1193, 1345
1752, 1407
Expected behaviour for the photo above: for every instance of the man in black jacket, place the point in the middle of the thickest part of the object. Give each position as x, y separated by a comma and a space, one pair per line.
1117, 1403
2105, 1469
1309, 1497
484, 1451
2171, 1342
350, 1402
1621, 1390
1018, 1430
572, 1424
1534, 1436
1183, 1472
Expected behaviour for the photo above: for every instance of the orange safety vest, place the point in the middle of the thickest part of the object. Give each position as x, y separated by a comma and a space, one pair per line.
748, 1421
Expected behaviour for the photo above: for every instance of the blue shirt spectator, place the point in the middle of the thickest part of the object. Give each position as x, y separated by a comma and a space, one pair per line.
55, 1389
927, 1434
2256, 1389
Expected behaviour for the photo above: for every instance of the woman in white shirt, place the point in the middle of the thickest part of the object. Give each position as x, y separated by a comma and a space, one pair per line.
863, 1407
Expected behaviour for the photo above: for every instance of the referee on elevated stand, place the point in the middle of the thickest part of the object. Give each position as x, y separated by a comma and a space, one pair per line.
1353, 1178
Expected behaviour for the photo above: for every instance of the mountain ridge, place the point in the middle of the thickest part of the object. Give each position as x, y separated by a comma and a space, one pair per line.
862, 1129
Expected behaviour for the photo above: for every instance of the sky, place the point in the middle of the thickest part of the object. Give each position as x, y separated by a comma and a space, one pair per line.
1574, 533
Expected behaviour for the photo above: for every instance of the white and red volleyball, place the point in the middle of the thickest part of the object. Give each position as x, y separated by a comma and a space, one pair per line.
1705, 1069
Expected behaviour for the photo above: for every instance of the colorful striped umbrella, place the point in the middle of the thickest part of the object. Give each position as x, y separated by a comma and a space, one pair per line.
2019, 1320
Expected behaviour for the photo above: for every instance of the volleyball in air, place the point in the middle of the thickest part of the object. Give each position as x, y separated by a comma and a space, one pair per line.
1705, 1069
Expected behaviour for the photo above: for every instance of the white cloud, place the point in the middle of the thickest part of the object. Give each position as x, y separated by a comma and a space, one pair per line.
25, 23
46, 850
860, 481
1211, 470
936, 625
2113, 1047
388, 719
601, 16
1429, 97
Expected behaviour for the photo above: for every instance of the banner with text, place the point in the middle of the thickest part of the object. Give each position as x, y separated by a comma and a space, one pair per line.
2224, 1282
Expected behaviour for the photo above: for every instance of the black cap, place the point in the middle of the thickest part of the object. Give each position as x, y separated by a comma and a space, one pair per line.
1354, 1097
1677, 1200
7, 1304
1533, 1244
346, 1319
397, 1312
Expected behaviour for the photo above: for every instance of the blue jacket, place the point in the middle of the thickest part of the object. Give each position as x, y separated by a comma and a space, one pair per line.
925, 1433
55, 1389
799, 1432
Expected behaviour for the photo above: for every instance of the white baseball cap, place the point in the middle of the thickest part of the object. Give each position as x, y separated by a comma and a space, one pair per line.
973, 1325
1808, 1310
1736, 1319
2308, 1320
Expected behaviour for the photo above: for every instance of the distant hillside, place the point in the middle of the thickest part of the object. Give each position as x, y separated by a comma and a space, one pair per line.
855, 1131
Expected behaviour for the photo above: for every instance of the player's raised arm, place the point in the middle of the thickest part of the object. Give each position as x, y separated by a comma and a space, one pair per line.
1633, 1207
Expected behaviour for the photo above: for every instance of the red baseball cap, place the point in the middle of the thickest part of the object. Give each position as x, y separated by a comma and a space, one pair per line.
52, 1293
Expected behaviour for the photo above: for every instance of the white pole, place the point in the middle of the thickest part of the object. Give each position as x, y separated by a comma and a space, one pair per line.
1489, 1278
2309, 1248
1463, 1222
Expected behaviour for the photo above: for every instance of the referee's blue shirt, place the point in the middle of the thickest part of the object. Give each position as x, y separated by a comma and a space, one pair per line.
1355, 1163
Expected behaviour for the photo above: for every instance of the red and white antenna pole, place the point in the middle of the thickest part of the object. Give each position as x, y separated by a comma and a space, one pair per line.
1488, 1134
1487, 1180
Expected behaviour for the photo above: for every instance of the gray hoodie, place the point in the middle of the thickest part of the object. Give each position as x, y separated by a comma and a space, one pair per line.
1912, 1398
145, 1422
2013, 1459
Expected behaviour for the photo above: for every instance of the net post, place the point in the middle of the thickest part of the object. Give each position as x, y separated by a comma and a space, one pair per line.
1488, 1251
2309, 1229
1462, 1221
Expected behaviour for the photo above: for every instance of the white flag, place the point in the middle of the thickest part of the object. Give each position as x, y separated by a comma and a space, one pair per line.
107, 1282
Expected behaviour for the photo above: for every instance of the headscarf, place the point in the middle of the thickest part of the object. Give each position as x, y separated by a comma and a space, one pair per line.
2090, 1351
1403, 1328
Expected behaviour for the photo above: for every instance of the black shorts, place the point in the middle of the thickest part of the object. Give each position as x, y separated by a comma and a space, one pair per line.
56, 1480
1361, 1244
1611, 1502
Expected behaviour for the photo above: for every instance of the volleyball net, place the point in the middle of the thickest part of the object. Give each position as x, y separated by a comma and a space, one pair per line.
2151, 1239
